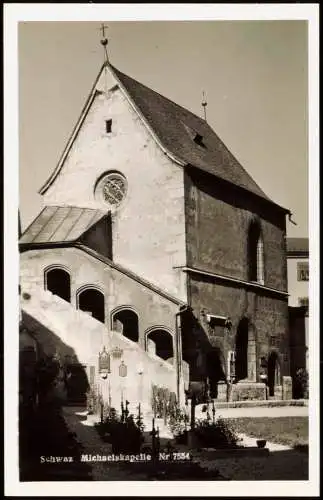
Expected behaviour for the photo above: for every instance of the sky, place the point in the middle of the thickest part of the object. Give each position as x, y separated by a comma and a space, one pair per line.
254, 74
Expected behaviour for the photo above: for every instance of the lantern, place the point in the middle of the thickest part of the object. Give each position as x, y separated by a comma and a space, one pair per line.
117, 353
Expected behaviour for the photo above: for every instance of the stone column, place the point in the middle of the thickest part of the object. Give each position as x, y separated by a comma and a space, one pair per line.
73, 293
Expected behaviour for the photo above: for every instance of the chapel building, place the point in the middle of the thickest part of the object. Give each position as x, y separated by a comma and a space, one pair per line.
157, 259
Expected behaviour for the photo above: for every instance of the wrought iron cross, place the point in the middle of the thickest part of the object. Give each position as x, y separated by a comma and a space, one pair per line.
204, 104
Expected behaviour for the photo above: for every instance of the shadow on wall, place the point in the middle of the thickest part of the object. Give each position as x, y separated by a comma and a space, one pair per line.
55, 368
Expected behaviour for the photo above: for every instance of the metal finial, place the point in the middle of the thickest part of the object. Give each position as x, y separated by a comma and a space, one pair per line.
104, 42
204, 104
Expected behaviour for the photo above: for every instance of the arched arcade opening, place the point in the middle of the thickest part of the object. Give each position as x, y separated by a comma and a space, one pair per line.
58, 281
163, 342
125, 321
91, 300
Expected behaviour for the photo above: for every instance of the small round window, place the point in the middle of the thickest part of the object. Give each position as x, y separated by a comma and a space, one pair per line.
112, 188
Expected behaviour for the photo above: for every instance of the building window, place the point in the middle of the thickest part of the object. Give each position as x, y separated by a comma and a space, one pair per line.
111, 188
231, 364
126, 323
255, 253
108, 126
303, 302
198, 139
275, 341
302, 271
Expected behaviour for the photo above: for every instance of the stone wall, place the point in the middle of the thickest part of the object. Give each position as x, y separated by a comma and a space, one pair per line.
267, 316
218, 217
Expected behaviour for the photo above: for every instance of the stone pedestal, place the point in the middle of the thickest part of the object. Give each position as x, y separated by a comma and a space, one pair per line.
222, 391
287, 388
248, 390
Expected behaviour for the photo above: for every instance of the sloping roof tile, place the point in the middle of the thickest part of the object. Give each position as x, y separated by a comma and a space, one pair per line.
56, 224
175, 127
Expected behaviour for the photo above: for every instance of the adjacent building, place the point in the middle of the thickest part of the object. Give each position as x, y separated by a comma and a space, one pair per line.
298, 287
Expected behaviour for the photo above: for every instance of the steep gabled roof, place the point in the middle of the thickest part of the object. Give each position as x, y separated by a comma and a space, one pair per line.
176, 128
184, 137
57, 224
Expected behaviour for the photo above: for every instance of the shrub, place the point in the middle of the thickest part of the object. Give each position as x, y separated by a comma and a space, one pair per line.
177, 423
93, 400
217, 434
47, 371
163, 402
125, 435
301, 384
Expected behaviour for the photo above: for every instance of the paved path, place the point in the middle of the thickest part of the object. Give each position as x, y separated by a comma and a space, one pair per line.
89, 439
279, 411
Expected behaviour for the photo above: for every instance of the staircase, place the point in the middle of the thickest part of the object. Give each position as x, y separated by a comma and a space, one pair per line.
73, 332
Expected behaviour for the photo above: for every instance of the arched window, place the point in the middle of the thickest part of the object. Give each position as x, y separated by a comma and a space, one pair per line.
91, 301
255, 253
163, 341
58, 281
125, 321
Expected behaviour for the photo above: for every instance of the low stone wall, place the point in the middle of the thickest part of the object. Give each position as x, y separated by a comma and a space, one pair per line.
261, 403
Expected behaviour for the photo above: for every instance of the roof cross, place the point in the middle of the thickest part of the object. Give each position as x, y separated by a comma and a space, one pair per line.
104, 41
204, 104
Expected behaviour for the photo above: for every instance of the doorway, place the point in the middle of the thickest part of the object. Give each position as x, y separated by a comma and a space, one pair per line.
273, 372
241, 367
215, 370
77, 384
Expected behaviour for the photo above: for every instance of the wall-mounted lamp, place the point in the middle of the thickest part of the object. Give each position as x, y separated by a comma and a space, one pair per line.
140, 369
